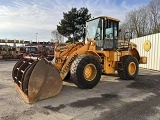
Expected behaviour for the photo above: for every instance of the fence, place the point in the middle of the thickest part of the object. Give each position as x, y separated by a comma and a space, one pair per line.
151, 43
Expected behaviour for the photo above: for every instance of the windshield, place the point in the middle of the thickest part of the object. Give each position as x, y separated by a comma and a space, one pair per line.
92, 28
31, 50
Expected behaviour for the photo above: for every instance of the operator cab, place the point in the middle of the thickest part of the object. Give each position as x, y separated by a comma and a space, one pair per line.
105, 31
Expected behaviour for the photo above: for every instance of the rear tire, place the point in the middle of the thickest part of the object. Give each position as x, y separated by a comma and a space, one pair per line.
129, 68
86, 71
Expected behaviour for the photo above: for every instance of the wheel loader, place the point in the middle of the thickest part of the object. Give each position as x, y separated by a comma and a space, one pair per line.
37, 78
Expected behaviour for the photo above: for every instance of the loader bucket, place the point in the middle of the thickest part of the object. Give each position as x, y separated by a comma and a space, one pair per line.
36, 79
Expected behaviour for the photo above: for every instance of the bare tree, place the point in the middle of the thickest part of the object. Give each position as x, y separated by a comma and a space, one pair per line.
154, 16
137, 21
123, 29
57, 37
143, 20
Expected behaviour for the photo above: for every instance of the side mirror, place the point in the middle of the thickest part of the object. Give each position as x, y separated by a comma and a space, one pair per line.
128, 35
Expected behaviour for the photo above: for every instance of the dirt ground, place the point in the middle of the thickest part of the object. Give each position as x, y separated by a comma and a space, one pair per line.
111, 99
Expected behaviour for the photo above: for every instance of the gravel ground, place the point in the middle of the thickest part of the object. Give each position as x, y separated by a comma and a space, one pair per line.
111, 99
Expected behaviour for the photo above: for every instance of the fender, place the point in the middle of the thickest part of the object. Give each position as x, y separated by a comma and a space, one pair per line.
135, 53
89, 52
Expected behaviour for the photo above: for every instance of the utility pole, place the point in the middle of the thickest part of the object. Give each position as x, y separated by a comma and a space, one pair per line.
36, 37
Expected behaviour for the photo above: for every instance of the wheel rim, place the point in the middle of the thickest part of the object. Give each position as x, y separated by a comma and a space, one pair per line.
89, 72
132, 68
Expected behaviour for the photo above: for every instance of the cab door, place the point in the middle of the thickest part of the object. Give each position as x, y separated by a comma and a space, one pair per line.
110, 35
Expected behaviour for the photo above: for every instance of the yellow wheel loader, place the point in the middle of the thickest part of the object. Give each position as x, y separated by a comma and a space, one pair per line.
37, 78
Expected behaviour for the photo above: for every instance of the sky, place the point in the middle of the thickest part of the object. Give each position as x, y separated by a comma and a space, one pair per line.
23, 19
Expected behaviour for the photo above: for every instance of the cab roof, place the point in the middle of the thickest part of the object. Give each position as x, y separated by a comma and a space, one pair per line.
107, 17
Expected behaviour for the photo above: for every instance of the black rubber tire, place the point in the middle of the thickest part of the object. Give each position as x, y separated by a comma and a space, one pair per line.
67, 78
77, 68
123, 70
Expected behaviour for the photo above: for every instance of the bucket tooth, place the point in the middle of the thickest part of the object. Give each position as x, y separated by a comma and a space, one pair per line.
20, 82
22, 71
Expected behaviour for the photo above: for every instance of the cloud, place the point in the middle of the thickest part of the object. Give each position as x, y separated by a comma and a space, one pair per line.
124, 5
21, 19
27, 18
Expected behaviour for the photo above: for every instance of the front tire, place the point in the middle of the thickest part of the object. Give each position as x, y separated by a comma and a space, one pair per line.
129, 67
86, 71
